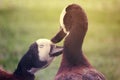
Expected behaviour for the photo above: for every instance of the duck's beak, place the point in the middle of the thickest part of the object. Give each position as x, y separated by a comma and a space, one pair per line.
59, 36
56, 50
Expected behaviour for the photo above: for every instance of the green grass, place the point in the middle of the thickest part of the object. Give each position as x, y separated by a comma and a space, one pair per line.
23, 22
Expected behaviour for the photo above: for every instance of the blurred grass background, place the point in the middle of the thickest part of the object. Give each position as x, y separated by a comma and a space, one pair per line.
24, 21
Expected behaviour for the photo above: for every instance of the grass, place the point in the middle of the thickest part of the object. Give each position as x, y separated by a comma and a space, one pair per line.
23, 22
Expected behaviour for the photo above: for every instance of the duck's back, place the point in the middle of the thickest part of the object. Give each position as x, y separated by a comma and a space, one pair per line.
6, 76
80, 74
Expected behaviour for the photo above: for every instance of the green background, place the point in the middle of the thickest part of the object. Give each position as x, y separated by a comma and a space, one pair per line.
24, 21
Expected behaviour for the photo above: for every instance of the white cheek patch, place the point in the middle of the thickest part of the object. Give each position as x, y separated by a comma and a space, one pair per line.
44, 53
45, 50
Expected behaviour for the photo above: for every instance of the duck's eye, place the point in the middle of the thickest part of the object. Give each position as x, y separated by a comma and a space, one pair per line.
41, 46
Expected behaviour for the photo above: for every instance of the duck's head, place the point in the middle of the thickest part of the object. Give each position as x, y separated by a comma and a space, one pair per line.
44, 52
47, 50
40, 55
69, 17
72, 15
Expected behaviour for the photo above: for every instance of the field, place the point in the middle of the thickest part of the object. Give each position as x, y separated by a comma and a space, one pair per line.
24, 21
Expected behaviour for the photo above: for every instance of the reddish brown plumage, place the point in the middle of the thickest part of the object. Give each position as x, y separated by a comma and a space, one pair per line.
74, 65
6, 76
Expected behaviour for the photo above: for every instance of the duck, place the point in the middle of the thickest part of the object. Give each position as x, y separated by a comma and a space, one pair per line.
39, 56
74, 64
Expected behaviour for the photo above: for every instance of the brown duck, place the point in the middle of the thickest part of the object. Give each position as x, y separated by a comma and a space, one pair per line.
74, 65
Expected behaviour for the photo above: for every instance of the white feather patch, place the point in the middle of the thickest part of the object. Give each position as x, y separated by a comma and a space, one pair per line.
63, 13
62, 20
44, 46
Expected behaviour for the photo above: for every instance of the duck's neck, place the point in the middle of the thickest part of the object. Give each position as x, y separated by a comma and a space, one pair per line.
73, 54
23, 68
